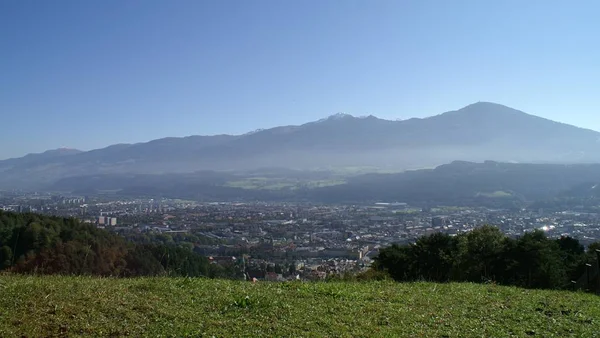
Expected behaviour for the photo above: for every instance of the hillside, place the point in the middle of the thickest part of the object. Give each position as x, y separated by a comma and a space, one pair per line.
31, 243
457, 183
478, 132
467, 183
180, 307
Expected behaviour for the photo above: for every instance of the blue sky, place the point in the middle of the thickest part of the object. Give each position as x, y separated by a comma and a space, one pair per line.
87, 74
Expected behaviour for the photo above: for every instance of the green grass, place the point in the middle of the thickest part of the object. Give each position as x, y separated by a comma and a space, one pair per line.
179, 307
360, 170
448, 208
281, 183
495, 194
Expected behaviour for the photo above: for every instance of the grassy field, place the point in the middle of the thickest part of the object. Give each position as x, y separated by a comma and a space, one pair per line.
179, 307
281, 183
495, 194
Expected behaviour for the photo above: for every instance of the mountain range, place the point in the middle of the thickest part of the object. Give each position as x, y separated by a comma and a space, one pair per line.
478, 132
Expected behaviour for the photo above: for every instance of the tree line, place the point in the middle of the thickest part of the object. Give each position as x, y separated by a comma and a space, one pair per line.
31, 243
487, 255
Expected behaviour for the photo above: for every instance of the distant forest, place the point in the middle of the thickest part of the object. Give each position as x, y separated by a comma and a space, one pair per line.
31, 243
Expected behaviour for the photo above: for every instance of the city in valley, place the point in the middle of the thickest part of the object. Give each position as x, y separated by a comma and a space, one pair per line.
284, 241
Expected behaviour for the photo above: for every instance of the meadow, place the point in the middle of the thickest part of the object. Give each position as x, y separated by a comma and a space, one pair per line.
36, 306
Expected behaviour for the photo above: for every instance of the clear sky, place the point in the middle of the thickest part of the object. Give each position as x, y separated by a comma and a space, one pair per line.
87, 74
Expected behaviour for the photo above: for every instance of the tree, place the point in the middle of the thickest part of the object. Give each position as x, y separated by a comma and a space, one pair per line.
573, 257
52, 245
6, 257
478, 254
396, 261
539, 264
432, 257
485, 254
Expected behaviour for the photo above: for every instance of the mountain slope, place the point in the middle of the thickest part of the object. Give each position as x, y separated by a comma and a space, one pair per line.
460, 183
478, 132
464, 183
40, 157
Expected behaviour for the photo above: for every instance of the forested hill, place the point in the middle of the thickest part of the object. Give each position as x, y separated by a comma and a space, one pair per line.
53, 245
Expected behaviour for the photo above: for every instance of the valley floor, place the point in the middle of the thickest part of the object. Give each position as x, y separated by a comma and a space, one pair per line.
178, 307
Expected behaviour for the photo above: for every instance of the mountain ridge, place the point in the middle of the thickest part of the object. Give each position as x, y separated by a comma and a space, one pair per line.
333, 117
478, 132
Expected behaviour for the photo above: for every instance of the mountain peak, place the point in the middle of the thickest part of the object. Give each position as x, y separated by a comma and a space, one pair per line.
484, 104
62, 150
347, 117
339, 116
485, 107
484, 110
334, 117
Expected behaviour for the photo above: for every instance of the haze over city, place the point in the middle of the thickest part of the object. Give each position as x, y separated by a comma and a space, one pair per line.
90, 74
